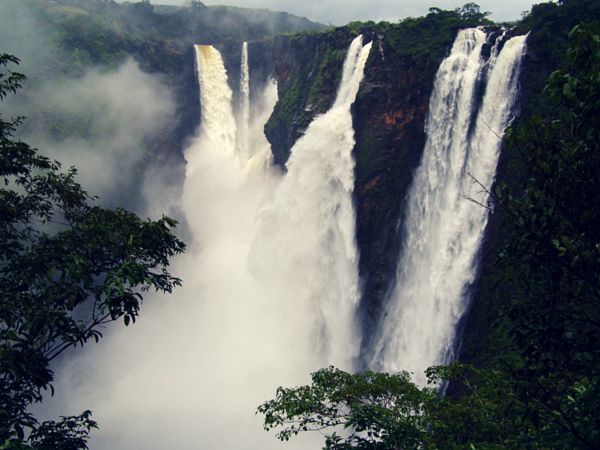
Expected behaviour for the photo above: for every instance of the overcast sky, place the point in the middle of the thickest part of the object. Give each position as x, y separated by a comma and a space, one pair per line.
339, 12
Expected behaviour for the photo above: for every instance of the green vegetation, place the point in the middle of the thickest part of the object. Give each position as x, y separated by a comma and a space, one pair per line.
485, 337
78, 34
382, 411
543, 390
193, 23
67, 268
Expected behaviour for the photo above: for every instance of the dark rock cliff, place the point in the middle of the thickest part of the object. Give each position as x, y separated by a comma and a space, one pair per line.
307, 69
389, 119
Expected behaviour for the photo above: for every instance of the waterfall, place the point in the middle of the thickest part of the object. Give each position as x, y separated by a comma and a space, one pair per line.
245, 104
270, 283
218, 122
443, 227
306, 241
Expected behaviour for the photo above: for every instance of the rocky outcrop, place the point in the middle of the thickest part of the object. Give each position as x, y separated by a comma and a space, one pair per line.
307, 68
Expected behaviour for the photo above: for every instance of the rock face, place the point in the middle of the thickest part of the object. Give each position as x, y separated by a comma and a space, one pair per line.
307, 69
389, 119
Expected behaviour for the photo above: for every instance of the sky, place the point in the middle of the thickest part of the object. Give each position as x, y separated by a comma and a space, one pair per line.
339, 12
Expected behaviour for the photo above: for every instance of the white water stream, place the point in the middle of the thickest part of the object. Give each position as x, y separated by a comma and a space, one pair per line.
244, 114
444, 228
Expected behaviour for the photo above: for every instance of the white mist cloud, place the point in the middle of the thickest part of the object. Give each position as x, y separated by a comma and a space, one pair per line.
191, 372
102, 123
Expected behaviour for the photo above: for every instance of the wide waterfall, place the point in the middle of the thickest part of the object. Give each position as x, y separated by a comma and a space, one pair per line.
271, 287
445, 218
270, 281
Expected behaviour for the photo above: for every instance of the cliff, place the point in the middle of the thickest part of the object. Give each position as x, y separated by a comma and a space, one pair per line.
389, 120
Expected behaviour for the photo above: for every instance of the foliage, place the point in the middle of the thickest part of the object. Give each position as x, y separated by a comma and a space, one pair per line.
546, 394
472, 11
380, 411
552, 259
379, 408
67, 267
69, 433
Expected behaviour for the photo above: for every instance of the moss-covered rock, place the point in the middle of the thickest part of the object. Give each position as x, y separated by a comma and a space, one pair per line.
307, 68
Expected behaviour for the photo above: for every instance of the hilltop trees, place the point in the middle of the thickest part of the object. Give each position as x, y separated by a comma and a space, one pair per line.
67, 267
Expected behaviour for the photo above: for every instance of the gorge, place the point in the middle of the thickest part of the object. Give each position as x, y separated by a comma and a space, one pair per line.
273, 284
336, 189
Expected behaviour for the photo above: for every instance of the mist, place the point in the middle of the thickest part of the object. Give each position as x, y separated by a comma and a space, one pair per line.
105, 121
191, 372
101, 123
270, 286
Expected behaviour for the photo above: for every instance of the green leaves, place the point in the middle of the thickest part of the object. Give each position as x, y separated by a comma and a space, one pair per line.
372, 406
67, 268
69, 433
9, 81
371, 410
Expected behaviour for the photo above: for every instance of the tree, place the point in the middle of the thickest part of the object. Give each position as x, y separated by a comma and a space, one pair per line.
472, 11
380, 411
552, 256
67, 267
194, 4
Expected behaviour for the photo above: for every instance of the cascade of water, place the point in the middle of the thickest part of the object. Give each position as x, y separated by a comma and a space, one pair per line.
443, 229
205, 358
244, 145
306, 240
218, 122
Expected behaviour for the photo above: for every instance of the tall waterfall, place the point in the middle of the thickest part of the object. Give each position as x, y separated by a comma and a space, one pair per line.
443, 228
306, 241
218, 122
243, 137
270, 283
